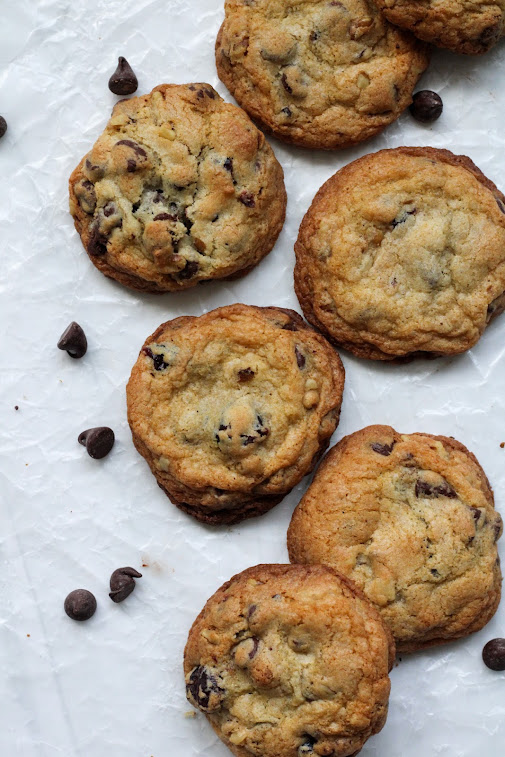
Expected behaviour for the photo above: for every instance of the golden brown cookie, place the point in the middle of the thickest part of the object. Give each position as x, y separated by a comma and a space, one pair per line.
233, 408
290, 661
317, 73
402, 253
465, 26
181, 187
411, 520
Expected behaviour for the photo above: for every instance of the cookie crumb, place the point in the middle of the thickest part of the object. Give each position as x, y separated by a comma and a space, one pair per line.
190, 714
16, 407
502, 445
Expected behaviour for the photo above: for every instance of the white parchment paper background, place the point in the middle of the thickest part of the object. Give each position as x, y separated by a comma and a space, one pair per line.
113, 686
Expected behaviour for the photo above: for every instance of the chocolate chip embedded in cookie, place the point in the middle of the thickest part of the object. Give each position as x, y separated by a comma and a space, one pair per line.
290, 661
318, 73
233, 408
181, 187
466, 26
411, 520
402, 253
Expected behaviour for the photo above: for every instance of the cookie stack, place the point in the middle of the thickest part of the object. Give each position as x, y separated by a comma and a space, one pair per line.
401, 255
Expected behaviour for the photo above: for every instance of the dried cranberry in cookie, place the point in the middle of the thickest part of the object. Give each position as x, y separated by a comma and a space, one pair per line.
305, 674
411, 520
181, 187
233, 408
318, 73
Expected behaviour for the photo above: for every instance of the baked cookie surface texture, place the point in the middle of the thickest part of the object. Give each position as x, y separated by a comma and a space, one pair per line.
290, 661
411, 520
232, 409
471, 27
402, 253
318, 73
181, 187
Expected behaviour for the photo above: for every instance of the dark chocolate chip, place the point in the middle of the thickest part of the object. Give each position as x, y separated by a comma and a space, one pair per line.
424, 489
288, 112
109, 209
307, 747
300, 359
165, 217
426, 106
245, 374
97, 244
314, 35
122, 583
497, 528
98, 441
493, 654
16, 407
402, 217
203, 689
489, 35
158, 360
252, 609
137, 149
3, 126
97, 172
383, 449
186, 220
131, 165
253, 651
501, 205
123, 81
73, 340
291, 326
476, 513
210, 93
80, 604
434, 572
86, 195
228, 164
189, 270
247, 439
247, 199
285, 84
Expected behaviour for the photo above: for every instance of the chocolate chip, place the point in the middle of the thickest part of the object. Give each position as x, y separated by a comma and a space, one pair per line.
291, 326
476, 513
122, 583
254, 649
497, 528
97, 172
284, 81
252, 609
131, 165
73, 340
245, 374
247, 199
501, 205
123, 81
493, 654
300, 359
402, 217
307, 747
3, 126
165, 217
189, 270
383, 449
186, 220
228, 164
137, 149
98, 441
426, 106
158, 360
434, 572
314, 35
80, 604
203, 689
86, 195
97, 244
424, 489
287, 111
109, 209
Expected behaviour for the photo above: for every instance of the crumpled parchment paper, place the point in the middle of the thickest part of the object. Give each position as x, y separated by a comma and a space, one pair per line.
113, 686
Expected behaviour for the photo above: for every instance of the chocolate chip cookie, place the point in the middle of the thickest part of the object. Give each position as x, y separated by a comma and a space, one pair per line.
411, 520
318, 73
180, 188
402, 253
233, 408
290, 661
464, 26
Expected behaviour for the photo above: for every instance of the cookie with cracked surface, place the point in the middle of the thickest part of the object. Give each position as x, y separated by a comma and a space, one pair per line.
290, 661
464, 26
181, 187
410, 519
318, 73
402, 254
233, 408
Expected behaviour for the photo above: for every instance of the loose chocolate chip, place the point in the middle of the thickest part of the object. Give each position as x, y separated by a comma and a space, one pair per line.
402, 217
300, 359
247, 199
383, 449
98, 441
203, 689
3, 126
285, 84
123, 81
73, 340
424, 489
16, 407
97, 244
426, 106
501, 205
122, 583
80, 604
189, 270
493, 654
245, 374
